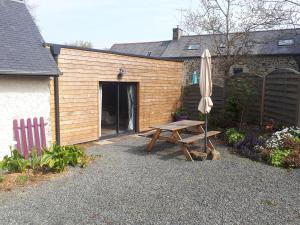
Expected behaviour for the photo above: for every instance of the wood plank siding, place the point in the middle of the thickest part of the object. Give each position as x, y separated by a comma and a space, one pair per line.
158, 82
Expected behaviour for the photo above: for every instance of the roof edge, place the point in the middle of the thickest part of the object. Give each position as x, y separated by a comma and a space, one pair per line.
113, 52
30, 73
249, 55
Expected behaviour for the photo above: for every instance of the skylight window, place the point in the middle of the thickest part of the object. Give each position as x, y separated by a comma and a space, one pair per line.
193, 47
285, 42
222, 45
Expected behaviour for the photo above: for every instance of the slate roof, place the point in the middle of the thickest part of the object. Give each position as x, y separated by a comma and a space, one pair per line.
265, 43
22, 50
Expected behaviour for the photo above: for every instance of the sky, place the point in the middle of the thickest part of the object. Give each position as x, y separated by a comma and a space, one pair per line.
105, 22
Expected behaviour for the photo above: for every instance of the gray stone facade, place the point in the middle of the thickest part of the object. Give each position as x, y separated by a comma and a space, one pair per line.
259, 65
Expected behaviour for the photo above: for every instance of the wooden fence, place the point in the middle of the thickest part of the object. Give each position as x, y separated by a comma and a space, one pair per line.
242, 83
281, 97
191, 98
276, 96
30, 135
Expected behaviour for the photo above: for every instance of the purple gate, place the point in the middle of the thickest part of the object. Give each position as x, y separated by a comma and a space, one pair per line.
30, 135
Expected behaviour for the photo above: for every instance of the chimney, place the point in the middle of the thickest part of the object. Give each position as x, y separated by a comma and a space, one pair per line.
177, 33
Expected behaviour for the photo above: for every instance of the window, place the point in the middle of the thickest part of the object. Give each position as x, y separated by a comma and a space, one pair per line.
149, 53
237, 70
193, 47
285, 42
222, 45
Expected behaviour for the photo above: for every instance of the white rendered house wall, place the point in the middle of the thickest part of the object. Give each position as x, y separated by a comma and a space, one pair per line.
22, 98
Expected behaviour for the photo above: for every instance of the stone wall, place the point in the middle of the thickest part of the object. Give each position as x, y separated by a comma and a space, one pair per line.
260, 65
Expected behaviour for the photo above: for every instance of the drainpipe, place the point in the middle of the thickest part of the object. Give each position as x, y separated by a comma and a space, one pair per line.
55, 50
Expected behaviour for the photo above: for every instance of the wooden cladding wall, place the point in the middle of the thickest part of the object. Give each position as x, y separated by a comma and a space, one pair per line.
159, 90
191, 98
282, 96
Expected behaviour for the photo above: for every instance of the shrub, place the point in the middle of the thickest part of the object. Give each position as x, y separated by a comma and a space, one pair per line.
292, 160
278, 156
54, 159
277, 139
15, 163
35, 161
182, 111
58, 157
251, 146
232, 136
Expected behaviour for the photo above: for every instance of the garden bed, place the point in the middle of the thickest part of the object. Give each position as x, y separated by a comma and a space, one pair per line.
278, 148
16, 171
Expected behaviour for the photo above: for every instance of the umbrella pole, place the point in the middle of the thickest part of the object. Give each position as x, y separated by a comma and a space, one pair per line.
206, 121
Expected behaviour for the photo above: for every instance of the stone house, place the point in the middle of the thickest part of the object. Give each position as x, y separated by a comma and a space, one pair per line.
26, 68
271, 50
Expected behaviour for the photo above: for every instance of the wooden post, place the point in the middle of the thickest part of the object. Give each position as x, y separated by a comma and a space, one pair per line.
37, 135
17, 136
29, 135
43, 133
24, 139
262, 105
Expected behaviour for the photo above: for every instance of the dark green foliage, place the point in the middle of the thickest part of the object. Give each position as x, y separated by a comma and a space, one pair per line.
54, 159
15, 162
35, 160
240, 92
58, 157
233, 136
278, 156
181, 112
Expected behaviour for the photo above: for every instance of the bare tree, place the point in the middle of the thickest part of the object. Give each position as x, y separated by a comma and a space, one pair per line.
80, 43
230, 24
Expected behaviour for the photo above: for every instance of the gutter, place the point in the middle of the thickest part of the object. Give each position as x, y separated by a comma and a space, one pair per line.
55, 51
29, 73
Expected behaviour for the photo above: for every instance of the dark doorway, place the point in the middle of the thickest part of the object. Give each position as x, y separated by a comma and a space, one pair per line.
118, 114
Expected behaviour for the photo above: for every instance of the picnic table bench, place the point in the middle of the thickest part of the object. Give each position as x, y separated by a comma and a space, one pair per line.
175, 129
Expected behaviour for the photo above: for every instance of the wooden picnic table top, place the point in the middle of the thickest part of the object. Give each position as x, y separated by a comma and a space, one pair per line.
179, 125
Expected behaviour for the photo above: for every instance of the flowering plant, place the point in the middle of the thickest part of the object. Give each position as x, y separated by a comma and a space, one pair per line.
277, 139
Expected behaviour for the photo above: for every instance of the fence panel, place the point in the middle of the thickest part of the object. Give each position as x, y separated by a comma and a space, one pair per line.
282, 94
25, 141
191, 99
255, 84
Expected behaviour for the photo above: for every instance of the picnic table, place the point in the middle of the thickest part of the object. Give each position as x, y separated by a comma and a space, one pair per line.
176, 129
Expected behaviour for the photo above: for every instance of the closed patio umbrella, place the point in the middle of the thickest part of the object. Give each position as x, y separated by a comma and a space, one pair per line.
205, 84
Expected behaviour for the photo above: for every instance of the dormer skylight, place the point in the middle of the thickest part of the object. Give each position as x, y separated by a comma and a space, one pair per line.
193, 47
285, 42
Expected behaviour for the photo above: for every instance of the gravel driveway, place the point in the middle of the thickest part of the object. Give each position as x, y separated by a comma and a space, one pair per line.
127, 186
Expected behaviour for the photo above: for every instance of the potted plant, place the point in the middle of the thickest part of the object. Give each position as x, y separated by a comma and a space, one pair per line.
181, 114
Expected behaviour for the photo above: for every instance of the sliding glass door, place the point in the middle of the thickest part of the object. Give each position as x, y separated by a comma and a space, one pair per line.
118, 111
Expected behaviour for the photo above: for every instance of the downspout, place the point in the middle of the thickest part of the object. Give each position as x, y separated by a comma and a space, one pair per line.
55, 50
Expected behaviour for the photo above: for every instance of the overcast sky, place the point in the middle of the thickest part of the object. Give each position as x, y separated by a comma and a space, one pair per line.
104, 22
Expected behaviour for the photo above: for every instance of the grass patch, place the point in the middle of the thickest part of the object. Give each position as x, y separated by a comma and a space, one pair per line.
268, 202
1, 179
22, 179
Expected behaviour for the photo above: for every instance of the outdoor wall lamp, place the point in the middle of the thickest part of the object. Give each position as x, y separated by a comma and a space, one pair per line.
121, 73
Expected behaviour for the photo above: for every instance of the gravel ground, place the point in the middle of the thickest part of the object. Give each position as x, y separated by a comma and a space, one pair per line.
127, 186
